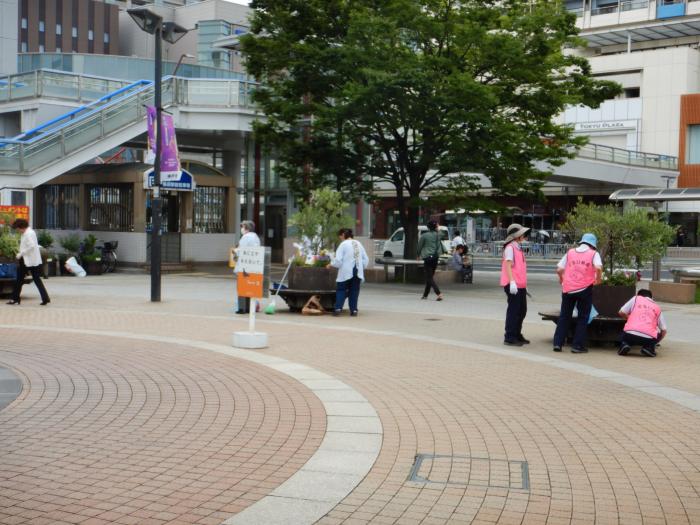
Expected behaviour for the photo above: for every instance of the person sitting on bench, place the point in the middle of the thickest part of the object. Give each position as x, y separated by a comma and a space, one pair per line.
460, 262
645, 324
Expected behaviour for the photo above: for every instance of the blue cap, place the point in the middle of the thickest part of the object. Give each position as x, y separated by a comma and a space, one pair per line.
590, 239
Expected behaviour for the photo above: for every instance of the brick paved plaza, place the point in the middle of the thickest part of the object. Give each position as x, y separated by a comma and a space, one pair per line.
132, 412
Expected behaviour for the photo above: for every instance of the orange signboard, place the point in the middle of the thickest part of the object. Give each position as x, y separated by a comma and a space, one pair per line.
14, 212
250, 285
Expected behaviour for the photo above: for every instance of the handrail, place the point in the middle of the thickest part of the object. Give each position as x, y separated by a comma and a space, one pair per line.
80, 109
627, 157
66, 74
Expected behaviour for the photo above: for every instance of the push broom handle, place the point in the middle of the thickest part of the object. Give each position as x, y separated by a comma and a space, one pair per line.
284, 277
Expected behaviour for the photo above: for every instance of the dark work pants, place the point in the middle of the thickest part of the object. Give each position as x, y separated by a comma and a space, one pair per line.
582, 301
633, 339
244, 304
515, 314
349, 289
430, 265
22, 271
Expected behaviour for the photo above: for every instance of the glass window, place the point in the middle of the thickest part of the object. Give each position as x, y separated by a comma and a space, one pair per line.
209, 209
59, 50
18, 198
398, 236
91, 35
24, 23
74, 32
41, 48
693, 150
106, 38
111, 207
24, 47
41, 26
59, 29
59, 206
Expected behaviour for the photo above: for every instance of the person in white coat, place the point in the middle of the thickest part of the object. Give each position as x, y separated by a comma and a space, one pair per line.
351, 260
29, 259
249, 239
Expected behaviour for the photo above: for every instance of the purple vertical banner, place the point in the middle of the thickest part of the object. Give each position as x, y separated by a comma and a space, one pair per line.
151, 122
170, 159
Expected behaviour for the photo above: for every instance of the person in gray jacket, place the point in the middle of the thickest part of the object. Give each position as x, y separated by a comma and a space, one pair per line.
430, 249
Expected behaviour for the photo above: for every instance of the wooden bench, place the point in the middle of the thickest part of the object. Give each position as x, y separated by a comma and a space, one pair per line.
600, 330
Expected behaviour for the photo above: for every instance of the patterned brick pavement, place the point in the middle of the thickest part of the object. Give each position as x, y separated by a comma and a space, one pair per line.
109, 430
596, 452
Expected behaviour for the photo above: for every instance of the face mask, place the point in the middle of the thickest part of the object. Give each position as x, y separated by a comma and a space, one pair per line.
243, 232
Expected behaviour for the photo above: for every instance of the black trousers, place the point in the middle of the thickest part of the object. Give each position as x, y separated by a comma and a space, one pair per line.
430, 265
515, 314
634, 339
582, 301
22, 271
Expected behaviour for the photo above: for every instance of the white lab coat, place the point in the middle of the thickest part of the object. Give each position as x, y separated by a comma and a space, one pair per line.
350, 254
249, 240
29, 249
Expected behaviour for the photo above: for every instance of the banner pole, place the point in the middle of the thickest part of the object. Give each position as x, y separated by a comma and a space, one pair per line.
251, 315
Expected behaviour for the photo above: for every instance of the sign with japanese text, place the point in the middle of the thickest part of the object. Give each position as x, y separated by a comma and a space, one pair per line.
185, 182
170, 158
250, 268
13, 212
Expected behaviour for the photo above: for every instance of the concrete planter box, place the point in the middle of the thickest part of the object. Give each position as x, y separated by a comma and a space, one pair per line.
680, 293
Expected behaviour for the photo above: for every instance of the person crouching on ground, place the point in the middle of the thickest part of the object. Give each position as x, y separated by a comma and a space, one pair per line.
430, 249
351, 260
514, 283
249, 239
29, 260
457, 263
645, 324
578, 271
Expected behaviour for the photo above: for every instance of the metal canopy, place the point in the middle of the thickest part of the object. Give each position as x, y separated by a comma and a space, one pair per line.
657, 195
642, 32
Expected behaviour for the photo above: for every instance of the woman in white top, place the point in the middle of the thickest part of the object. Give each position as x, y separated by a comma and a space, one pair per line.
29, 258
351, 260
249, 239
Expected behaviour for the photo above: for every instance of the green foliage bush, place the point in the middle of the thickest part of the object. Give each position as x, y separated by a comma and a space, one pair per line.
320, 219
9, 244
628, 239
45, 239
71, 243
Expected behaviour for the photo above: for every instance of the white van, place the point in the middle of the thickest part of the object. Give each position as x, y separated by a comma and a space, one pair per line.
394, 246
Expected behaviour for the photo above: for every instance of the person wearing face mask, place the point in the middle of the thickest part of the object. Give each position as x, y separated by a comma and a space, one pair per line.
249, 239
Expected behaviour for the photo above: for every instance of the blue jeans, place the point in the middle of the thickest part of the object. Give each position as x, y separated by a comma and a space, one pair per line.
583, 301
349, 289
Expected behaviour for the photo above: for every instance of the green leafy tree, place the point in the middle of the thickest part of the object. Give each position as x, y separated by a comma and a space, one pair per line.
626, 239
320, 218
406, 94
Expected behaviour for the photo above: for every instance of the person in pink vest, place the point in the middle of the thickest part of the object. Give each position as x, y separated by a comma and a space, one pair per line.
514, 283
645, 324
578, 271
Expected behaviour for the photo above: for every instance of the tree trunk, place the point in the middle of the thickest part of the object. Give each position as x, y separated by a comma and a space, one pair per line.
409, 221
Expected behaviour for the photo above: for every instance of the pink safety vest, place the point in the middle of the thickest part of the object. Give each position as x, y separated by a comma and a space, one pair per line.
519, 268
580, 271
644, 317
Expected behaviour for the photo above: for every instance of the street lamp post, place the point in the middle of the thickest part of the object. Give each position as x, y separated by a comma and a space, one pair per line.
179, 62
153, 24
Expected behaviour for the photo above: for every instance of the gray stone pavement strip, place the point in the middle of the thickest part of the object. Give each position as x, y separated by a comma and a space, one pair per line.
10, 387
333, 471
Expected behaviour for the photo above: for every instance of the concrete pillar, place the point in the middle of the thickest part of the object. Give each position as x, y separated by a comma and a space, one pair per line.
139, 208
232, 168
186, 211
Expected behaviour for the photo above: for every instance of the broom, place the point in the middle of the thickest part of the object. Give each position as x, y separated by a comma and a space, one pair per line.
270, 308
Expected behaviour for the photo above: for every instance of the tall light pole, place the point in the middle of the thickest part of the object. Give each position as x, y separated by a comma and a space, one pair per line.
171, 32
179, 62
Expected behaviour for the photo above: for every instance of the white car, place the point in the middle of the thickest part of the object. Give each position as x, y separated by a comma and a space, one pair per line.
394, 246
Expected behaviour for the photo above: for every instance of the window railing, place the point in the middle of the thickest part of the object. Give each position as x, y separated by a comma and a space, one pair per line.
631, 158
630, 5
605, 10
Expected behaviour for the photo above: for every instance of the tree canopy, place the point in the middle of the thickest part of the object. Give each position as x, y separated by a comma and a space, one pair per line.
415, 95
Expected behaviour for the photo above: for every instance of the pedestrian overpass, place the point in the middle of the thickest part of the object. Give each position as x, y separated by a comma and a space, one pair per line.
66, 120
207, 112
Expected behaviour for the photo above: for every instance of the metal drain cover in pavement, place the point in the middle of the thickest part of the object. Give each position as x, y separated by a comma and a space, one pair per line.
466, 470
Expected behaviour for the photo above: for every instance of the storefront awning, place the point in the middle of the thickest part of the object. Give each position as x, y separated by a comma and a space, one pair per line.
642, 31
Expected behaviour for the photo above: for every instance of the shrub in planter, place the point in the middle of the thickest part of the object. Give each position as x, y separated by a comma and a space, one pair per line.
92, 262
628, 238
51, 261
45, 239
71, 244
